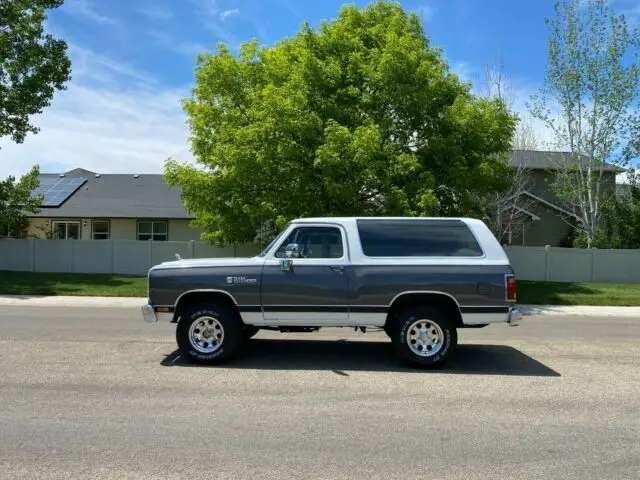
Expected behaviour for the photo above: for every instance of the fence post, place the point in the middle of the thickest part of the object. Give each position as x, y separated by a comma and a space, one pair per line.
150, 252
192, 248
72, 254
235, 253
32, 246
113, 262
593, 264
546, 262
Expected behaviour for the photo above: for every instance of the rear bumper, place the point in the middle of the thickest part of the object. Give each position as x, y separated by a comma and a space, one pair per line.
149, 314
515, 317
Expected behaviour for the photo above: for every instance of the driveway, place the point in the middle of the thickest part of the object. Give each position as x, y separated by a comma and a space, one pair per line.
96, 393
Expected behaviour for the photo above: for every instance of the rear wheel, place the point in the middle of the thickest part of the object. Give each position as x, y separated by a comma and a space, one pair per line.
424, 336
208, 333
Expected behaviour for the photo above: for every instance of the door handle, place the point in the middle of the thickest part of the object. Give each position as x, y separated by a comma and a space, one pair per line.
337, 268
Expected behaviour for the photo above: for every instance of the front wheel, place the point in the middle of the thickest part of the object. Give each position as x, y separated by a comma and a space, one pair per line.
209, 334
424, 336
249, 332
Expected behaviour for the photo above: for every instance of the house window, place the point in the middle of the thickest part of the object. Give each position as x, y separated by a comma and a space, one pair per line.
153, 230
66, 230
100, 230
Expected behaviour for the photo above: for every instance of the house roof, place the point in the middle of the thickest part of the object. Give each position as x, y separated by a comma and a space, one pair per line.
540, 160
118, 196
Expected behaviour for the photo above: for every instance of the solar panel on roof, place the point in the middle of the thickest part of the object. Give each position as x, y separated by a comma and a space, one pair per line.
57, 190
45, 184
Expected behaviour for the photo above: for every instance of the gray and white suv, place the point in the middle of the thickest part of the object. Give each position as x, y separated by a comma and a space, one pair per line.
419, 279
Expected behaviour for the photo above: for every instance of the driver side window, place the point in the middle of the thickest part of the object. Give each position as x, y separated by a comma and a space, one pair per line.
314, 242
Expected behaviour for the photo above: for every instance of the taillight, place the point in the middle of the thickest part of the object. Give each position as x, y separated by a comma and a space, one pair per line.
510, 286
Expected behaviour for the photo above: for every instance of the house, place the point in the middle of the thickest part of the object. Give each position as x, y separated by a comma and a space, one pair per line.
85, 205
547, 222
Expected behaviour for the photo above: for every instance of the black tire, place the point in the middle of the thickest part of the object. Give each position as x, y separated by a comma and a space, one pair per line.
249, 332
388, 330
443, 328
223, 319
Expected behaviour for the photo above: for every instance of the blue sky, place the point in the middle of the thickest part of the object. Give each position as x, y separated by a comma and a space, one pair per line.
133, 61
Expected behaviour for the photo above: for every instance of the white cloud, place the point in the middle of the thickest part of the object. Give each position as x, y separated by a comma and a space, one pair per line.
290, 6
522, 99
112, 119
86, 10
156, 11
210, 15
464, 70
229, 13
88, 65
629, 8
425, 11
183, 47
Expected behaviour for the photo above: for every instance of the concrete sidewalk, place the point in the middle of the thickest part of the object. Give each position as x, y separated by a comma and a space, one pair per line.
64, 301
137, 302
580, 310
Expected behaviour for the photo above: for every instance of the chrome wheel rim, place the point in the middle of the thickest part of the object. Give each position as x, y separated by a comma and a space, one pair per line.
425, 338
206, 334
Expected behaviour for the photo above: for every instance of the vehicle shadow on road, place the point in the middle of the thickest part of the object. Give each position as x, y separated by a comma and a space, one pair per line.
346, 355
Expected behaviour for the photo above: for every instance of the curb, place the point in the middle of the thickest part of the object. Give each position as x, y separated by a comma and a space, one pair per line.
580, 310
137, 302
68, 301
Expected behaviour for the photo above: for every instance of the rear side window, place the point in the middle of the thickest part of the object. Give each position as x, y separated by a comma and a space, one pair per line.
417, 238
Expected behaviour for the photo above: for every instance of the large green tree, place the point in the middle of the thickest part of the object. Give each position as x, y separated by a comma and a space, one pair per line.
32, 64
16, 201
359, 117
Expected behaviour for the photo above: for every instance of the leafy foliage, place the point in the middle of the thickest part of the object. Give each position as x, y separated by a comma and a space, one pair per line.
32, 65
506, 211
16, 201
360, 117
590, 103
620, 226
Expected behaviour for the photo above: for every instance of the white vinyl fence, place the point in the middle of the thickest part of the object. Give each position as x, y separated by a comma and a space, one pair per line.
136, 257
105, 256
557, 264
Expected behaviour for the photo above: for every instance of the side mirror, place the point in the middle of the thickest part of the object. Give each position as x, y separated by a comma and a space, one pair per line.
286, 264
292, 250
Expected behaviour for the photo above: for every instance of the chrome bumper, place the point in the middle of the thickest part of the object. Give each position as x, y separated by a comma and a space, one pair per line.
515, 317
148, 314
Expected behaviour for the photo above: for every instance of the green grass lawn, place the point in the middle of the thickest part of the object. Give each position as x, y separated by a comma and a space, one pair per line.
536, 293
555, 293
78, 284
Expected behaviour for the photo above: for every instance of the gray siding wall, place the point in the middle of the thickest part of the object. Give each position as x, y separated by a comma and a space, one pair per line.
551, 229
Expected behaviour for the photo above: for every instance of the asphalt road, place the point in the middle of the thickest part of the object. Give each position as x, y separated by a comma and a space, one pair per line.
96, 393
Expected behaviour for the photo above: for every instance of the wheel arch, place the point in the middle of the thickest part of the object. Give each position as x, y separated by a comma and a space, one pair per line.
429, 298
220, 297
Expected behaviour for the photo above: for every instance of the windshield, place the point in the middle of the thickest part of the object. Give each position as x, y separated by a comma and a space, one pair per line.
272, 243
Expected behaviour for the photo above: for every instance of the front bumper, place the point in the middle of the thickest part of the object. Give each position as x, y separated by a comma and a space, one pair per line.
149, 314
515, 317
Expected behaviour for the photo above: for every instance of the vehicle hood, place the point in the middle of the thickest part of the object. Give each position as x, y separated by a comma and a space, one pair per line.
209, 262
